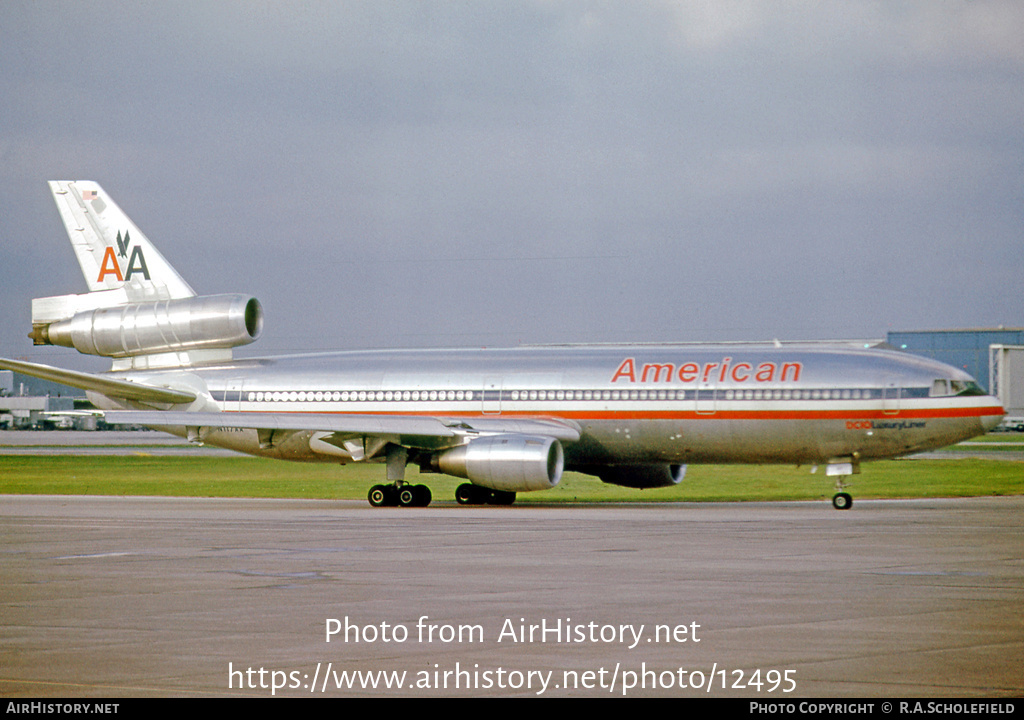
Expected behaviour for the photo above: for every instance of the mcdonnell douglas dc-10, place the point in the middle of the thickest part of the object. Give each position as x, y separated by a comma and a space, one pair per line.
508, 421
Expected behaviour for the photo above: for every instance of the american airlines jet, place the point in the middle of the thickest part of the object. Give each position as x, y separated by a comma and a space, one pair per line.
508, 421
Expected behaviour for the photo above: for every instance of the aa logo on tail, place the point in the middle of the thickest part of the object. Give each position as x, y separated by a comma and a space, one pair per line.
122, 245
136, 263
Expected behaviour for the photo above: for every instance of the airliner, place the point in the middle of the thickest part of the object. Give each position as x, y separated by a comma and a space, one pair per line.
506, 420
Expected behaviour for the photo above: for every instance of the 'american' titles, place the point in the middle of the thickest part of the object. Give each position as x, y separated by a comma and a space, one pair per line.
688, 372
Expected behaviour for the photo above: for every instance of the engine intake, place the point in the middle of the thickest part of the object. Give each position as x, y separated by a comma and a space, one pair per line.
513, 463
207, 322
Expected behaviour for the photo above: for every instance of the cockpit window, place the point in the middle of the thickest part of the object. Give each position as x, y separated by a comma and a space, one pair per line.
961, 387
946, 388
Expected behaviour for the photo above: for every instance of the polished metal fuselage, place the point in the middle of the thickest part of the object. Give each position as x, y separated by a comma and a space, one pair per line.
632, 404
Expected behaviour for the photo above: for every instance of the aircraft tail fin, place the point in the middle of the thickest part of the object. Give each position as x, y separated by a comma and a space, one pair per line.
138, 310
113, 253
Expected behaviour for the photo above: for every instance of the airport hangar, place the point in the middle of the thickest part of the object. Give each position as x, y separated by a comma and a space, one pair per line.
992, 356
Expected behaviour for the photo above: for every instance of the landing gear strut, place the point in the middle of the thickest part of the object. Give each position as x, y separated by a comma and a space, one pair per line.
398, 493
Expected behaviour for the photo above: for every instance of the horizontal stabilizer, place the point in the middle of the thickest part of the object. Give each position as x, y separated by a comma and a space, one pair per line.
111, 387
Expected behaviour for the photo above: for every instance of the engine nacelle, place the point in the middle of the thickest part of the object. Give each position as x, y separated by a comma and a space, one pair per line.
513, 463
196, 323
641, 477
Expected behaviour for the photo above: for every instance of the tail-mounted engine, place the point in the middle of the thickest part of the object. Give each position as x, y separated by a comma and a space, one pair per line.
512, 463
196, 323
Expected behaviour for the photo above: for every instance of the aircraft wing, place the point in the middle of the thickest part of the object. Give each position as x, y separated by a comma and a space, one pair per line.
111, 387
356, 424
558, 428
369, 425
73, 413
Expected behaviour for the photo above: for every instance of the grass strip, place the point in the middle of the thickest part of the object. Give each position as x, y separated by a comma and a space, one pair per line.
261, 478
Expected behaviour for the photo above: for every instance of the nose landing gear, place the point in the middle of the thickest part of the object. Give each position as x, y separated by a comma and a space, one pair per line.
840, 469
842, 501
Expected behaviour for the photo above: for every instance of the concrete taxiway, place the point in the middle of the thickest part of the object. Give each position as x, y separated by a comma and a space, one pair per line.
69, 442
106, 596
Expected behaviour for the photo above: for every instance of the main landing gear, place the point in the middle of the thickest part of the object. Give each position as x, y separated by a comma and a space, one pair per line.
395, 496
419, 495
398, 493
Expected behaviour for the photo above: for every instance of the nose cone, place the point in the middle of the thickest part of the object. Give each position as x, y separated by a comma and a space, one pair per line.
995, 417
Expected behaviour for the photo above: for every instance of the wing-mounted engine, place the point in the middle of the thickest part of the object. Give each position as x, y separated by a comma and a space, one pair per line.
211, 322
510, 463
640, 477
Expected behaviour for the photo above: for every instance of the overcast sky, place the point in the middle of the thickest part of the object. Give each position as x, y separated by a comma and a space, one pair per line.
401, 174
